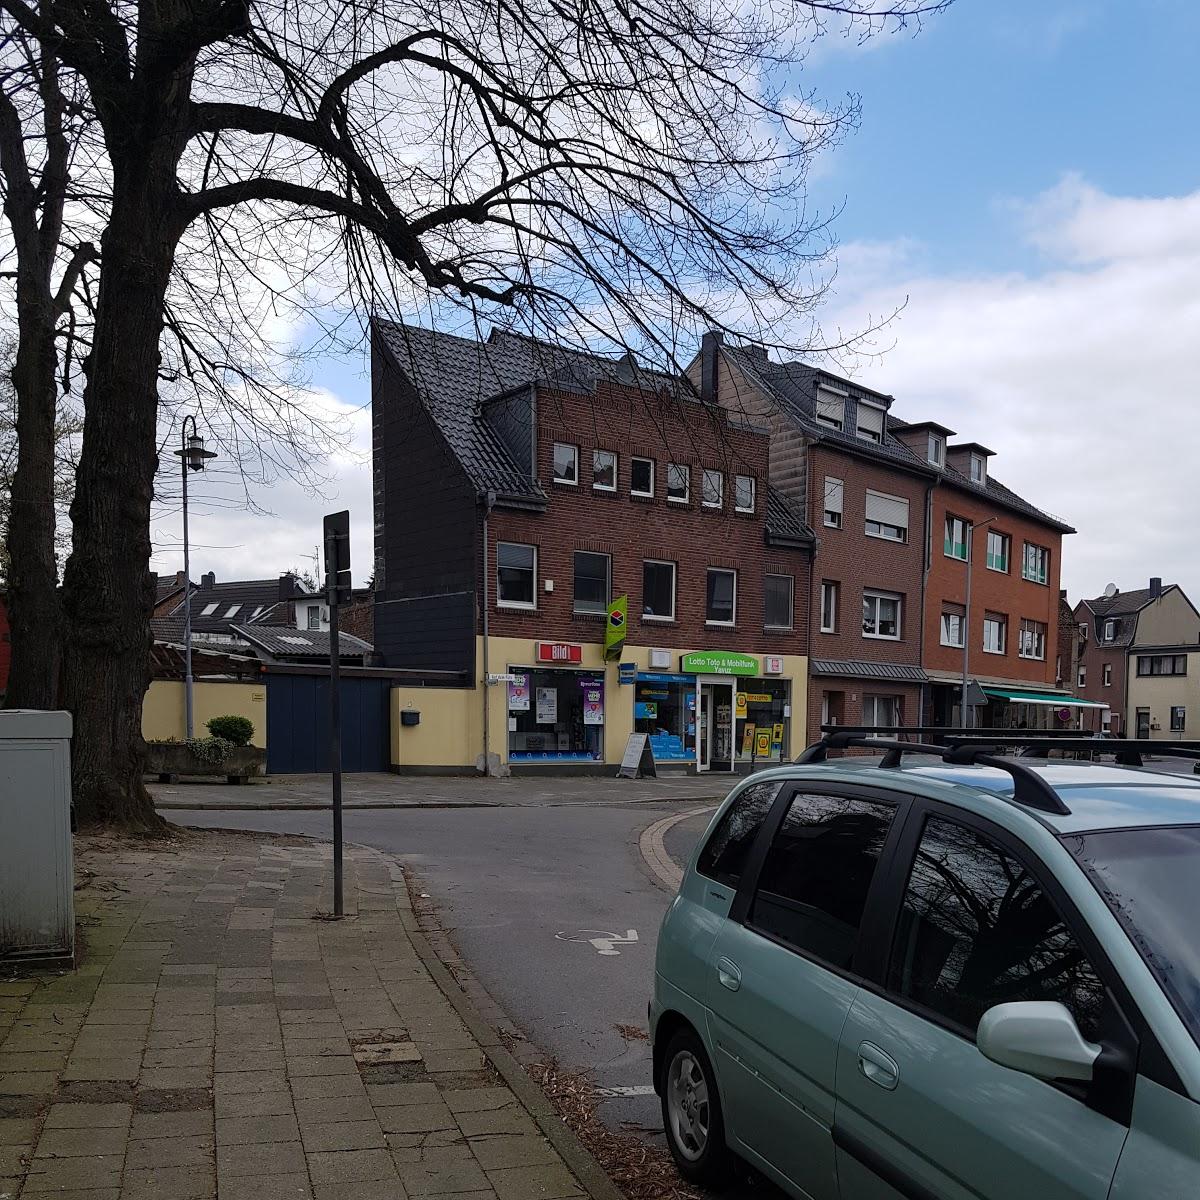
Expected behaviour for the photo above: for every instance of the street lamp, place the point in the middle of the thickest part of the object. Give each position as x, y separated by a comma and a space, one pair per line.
971, 527
192, 456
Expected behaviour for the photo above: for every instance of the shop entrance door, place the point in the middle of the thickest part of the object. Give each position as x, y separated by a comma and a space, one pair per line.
714, 725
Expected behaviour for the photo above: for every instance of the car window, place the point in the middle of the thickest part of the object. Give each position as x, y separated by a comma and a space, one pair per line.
724, 856
976, 929
813, 886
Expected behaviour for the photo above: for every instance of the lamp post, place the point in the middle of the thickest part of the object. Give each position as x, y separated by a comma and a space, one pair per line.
192, 456
971, 527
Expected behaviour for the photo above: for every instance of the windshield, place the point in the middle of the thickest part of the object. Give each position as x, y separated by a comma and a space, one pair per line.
1151, 880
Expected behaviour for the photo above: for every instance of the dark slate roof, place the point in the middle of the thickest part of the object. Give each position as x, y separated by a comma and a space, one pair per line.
855, 669
783, 522
168, 587
1124, 602
993, 490
284, 642
455, 375
247, 594
169, 631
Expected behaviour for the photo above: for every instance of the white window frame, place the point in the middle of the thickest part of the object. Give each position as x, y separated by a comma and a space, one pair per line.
737, 481
231, 612
987, 551
1043, 557
978, 469
866, 434
947, 536
554, 475
521, 605
616, 470
313, 620
603, 609
877, 596
832, 397
1027, 645
707, 475
209, 609
935, 450
637, 458
1182, 726
687, 483
874, 700
944, 628
1110, 630
791, 624
1081, 678
721, 571
660, 562
881, 526
989, 618
830, 595
840, 511
1106, 675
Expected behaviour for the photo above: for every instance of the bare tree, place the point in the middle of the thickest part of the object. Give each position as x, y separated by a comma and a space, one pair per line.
602, 169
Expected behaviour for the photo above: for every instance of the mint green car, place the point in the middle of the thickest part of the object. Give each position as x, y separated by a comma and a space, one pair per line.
939, 982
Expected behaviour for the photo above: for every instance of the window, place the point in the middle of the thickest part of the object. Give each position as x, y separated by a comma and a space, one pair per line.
1178, 718
881, 615
1106, 675
995, 633
777, 601
935, 451
829, 606
254, 614
1081, 679
314, 617
1162, 664
887, 517
209, 609
814, 881
712, 489
952, 625
978, 468
720, 597
678, 483
516, 575
870, 422
1033, 640
566, 463
232, 611
976, 930
1035, 563
831, 406
997, 551
834, 490
658, 590
641, 476
724, 857
1110, 630
882, 712
604, 471
955, 545
592, 573
743, 493
1083, 631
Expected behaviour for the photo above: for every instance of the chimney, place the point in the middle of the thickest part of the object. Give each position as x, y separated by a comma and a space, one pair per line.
708, 367
208, 579
1155, 587
287, 586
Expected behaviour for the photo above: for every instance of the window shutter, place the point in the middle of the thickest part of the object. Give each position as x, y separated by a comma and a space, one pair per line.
870, 419
887, 510
830, 406
833, 494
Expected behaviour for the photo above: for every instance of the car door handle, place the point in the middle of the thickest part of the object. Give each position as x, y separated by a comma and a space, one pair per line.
729, 974
878, 1067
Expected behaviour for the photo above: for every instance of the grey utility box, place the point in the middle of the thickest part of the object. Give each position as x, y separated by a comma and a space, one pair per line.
37, 881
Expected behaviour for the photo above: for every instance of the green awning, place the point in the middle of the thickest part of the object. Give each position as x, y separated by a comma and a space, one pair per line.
1047, 698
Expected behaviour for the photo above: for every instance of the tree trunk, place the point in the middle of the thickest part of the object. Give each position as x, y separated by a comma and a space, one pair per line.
108, 591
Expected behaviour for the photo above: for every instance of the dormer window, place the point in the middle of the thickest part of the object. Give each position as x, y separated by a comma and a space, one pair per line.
831, 407
978, 468
869, 424
1110, 630
936, 452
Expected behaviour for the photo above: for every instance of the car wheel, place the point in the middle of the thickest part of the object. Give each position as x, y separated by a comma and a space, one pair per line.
691, 1109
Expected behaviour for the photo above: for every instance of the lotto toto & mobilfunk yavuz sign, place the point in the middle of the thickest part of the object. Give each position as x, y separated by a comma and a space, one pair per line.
718, 662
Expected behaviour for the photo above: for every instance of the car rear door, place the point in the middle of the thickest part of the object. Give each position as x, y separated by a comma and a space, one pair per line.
782, 977
921, 1113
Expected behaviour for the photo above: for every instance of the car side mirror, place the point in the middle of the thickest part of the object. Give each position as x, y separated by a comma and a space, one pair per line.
1039, 1037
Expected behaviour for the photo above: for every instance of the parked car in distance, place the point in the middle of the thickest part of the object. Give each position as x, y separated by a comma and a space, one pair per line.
935, 980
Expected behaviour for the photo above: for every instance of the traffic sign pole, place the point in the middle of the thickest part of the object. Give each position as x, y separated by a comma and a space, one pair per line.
337, 583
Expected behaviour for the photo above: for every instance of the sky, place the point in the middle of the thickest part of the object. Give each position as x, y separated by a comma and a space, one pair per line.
1024, 188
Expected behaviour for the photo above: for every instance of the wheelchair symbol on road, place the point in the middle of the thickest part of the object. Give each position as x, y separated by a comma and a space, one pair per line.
603, 941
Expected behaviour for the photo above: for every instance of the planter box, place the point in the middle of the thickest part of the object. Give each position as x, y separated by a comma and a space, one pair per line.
171, 760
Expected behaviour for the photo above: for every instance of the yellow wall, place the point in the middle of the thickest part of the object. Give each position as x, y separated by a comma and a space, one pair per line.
163, 715
1159, 693
1167, 621
451, 730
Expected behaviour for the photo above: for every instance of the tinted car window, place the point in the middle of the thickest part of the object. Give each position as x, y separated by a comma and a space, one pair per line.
977, 930
725, 855
814, 882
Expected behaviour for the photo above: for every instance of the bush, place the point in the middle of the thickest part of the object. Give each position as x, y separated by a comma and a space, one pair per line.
238, 730
212, 751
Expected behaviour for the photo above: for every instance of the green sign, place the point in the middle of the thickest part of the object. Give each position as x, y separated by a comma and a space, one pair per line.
614, 629
718, 662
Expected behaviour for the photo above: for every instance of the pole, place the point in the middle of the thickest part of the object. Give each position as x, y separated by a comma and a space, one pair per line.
335, 725
966, 720
187, 592
489, 501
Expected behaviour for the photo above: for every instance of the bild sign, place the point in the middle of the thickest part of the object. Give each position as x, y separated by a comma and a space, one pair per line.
718, 662
559, 652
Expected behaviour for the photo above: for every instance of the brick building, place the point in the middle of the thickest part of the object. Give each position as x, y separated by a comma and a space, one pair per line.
521, 490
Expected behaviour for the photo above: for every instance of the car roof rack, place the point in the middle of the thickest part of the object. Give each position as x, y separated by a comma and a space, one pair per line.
1125, 751
1030, 790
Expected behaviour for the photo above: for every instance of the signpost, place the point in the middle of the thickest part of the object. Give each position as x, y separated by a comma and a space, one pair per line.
337, 584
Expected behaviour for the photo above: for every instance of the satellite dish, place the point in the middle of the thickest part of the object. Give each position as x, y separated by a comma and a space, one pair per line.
1110, 590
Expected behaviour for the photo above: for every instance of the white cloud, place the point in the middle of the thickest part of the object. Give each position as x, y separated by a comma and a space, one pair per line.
1080, 375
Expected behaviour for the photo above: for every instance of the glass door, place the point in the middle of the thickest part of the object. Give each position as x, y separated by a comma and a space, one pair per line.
714, 724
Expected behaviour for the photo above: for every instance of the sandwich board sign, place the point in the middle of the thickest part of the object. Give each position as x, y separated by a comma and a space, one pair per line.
638, 759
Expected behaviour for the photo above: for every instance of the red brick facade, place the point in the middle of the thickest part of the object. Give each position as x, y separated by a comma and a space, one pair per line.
1103, 666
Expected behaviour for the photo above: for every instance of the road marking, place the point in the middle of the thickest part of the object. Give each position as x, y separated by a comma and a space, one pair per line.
654, 851
604, 942
641, 1089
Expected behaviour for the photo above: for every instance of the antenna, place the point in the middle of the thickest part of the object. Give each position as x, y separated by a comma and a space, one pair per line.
1110, 590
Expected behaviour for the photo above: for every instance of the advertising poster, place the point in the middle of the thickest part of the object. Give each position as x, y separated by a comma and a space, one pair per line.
762, 744
547, 706
747, 739
593, 704
518, 694
740, 705
777, 737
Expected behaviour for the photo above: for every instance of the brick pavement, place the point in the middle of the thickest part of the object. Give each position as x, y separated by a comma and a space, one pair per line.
221, 1038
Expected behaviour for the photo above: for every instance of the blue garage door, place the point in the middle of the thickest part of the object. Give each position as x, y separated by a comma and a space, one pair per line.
298, 724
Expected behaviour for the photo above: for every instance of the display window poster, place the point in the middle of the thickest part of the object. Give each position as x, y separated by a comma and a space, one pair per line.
547, 705
518, 694
747, 738
762, 748
777, 736
593, 705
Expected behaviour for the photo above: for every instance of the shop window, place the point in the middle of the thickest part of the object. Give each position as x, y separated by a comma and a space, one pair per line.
743, 493
555, 716
678, 483
881, 615
664, 708
720, 598
658, 590
641, 477
516, 575
604, 471
760, 714
592, 573
777, 601
712, 485
829, 605
566, 463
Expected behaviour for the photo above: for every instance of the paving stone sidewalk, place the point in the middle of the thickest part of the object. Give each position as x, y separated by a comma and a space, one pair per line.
222, 1038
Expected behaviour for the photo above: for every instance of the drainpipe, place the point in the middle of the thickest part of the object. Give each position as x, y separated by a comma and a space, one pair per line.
489, 500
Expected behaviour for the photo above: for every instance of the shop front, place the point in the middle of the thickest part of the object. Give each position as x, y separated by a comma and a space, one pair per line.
555, 713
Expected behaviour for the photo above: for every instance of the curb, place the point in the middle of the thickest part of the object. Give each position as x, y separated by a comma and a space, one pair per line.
271, 806
654, 852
